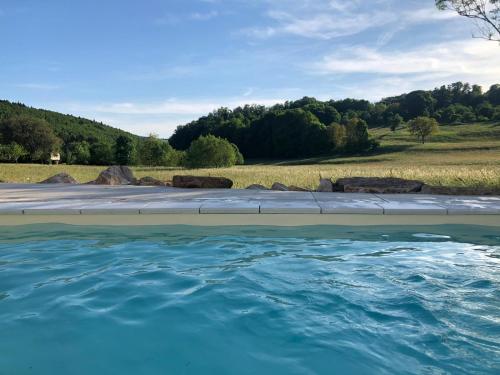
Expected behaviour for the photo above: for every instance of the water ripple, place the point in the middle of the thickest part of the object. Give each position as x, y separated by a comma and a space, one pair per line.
314, 300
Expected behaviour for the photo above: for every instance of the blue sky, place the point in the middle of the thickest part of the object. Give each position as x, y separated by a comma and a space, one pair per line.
150, 65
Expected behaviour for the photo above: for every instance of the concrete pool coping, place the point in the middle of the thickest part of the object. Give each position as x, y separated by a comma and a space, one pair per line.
137, 205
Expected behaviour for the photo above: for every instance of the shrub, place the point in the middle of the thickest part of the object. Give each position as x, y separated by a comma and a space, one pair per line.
212, 152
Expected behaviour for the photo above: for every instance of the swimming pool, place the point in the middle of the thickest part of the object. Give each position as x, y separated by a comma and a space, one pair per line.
249, 300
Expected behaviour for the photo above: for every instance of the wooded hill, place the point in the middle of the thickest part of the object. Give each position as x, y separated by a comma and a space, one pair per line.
67, 127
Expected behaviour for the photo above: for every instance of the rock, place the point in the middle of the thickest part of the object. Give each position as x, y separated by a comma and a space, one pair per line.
325, 185
381, 185
256, 187
297, 188
151, 181
116, 175
451, 190
60, 178
201, 182
279, 187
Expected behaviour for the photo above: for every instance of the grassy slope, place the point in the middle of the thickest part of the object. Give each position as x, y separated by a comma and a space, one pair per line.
460, 155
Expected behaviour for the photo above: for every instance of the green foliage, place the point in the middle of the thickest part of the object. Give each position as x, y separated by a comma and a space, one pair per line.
418, 103
357, 138
301, 128
35, 135
124, 150
423, 127
494, 94
77, 153
70, 130
394, 121
336, 136
101, 153
156, 152
12, 152
212, 152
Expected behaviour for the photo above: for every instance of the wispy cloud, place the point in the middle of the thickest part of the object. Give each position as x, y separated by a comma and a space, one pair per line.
454, 58
377, 73
38, 86
328, 19
331, 20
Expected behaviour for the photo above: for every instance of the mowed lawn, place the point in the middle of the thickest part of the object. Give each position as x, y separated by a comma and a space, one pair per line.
460, 155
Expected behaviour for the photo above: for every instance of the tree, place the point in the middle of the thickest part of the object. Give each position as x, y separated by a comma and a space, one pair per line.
78, 153
423, 127
35, 135
418, 103
154, 151
101, 153
212, 152
357, 138
336, 134
485, 111
493, 94
394, 121
12, 152
124, 150
485, 12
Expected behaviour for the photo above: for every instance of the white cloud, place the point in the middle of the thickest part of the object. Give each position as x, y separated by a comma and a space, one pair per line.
445, 59
320, 20
328, 19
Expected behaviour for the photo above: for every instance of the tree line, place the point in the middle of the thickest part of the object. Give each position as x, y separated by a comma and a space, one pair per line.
309, 127
294, 129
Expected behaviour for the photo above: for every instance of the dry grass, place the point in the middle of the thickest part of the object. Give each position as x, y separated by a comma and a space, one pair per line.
469, 156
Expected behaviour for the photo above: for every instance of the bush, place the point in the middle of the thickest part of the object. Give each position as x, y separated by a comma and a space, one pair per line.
212, 152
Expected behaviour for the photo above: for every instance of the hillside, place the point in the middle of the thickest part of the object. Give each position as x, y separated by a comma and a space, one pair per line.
67, 127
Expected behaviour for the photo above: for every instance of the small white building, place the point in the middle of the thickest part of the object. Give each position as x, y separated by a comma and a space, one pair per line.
55, 157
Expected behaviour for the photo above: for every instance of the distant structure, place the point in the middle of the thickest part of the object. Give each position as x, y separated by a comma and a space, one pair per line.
55, 158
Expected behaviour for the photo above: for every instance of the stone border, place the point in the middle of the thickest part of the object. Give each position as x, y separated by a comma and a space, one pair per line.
94, 201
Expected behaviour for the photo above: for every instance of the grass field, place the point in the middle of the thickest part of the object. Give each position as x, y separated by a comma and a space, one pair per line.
460, 155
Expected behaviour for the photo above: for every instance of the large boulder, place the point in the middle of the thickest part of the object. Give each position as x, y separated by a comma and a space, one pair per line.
325, 185
60, 178
279, 187
256, 187
116, 175
297, 188
151, 181
454, 190
201, 182
381, 185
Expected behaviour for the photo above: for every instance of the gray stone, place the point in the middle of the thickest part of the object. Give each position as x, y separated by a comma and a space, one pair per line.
256, 187
151, 181
451, 190
116, 175
201, 182
325, 186
60, 178
379, 185
297, 188
279, 187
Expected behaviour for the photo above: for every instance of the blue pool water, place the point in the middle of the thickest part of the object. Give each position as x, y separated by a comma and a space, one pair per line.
187, 300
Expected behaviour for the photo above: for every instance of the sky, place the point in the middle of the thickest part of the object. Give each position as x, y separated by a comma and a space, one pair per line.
147, 66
